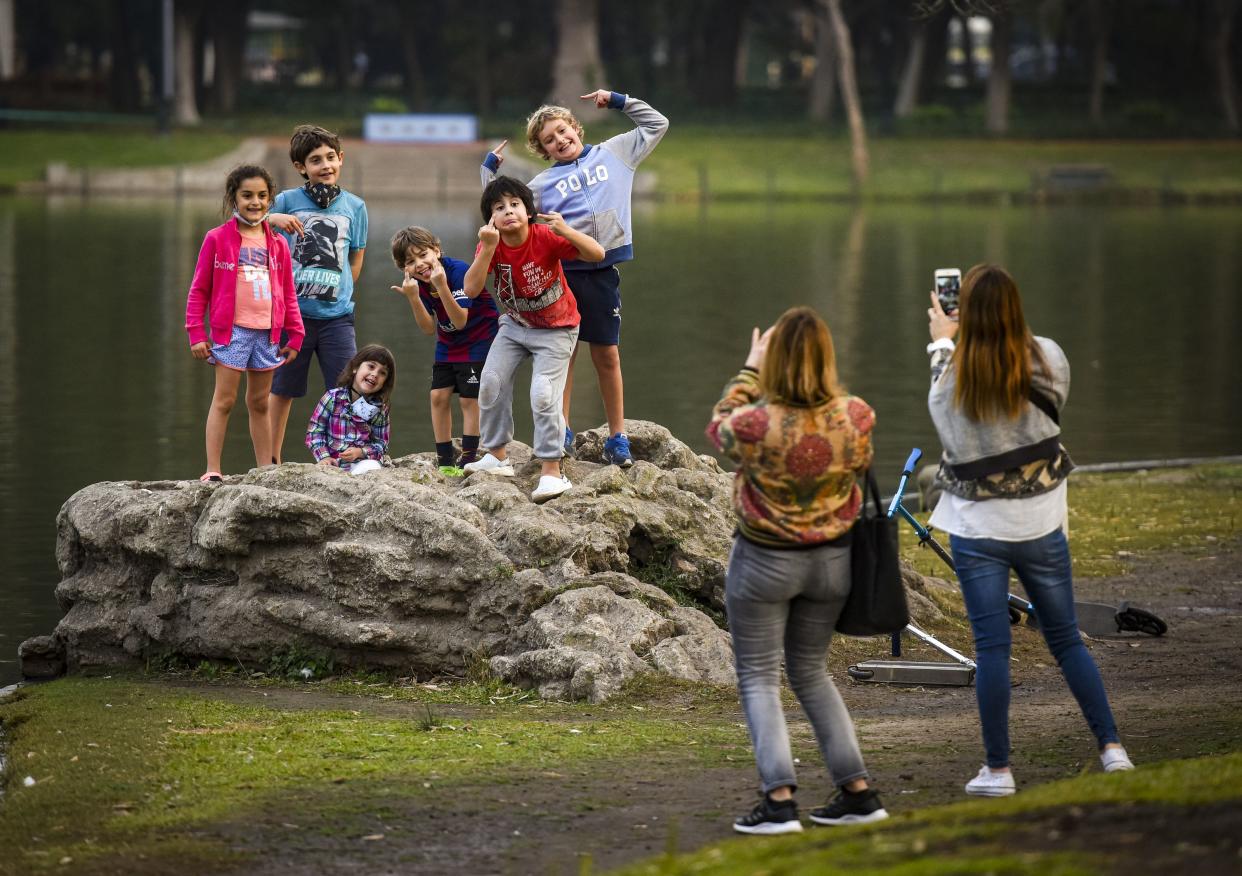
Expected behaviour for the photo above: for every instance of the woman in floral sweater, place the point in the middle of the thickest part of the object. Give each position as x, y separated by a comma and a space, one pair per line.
798, 439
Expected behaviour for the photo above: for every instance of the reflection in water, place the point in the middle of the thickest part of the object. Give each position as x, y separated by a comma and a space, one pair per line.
92, 304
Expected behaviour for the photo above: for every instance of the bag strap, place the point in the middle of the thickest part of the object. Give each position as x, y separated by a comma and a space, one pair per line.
1045, 404
870, 487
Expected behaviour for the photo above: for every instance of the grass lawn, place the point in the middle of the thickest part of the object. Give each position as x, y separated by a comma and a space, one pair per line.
747, 161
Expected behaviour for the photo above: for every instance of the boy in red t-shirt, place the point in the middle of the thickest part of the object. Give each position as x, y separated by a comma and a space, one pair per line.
539, 318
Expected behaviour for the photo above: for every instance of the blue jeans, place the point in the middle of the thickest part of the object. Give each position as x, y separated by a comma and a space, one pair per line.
1043, 566
786, 603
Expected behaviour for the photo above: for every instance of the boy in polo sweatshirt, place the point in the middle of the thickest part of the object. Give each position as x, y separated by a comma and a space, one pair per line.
590, 186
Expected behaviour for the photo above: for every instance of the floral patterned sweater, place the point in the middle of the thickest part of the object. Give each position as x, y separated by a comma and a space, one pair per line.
795, 482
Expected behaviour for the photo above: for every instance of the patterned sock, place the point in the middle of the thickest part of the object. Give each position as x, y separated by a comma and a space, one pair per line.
444, 451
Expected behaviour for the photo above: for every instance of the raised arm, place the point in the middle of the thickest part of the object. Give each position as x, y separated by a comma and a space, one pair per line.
457, 314
476, 274
632, 146
491, 163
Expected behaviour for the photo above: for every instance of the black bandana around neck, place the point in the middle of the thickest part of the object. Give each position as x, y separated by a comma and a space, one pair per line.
321, 193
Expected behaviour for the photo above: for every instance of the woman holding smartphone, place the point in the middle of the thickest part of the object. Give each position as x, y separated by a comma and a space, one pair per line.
995, 400
798, 439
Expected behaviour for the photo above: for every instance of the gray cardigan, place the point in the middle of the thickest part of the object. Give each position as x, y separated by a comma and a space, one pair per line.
966, 440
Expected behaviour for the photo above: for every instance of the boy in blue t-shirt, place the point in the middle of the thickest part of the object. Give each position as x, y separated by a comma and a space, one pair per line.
326, 228
464, 329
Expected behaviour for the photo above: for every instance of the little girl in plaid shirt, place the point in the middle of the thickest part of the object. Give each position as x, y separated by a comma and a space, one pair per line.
349, 428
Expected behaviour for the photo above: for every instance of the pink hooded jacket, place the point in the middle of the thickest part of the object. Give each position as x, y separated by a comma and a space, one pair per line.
212, 291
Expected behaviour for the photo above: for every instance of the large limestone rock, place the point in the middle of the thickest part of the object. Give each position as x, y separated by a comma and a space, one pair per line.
404, 568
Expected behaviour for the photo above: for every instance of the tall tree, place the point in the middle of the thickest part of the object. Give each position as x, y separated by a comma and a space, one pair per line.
186, 17
228, 29
824, 79
578, 69
1226, 14
1100, 19
999, 81
859, 160
912, 70
413, 26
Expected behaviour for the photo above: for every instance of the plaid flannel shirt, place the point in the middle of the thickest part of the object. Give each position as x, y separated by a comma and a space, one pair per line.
333, 428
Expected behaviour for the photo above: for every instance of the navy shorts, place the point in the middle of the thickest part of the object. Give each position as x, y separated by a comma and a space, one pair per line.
598, 294
334, 343
462, 377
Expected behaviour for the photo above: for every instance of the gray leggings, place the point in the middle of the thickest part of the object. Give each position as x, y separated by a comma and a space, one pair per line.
787, 601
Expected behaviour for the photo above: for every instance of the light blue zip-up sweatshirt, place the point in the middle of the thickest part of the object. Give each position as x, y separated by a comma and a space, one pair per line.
593, 191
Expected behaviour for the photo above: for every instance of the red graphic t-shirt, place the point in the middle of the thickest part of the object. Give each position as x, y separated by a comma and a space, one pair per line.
529, 283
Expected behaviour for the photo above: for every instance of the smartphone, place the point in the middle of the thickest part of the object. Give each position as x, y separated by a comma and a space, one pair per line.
948, 289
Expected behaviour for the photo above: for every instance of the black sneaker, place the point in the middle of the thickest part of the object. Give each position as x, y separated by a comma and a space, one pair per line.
770, 817
851, 808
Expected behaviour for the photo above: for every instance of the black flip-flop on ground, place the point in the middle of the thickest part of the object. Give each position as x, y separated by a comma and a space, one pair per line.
1136, 620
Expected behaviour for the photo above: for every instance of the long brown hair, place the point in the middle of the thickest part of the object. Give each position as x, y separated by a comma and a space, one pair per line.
381, 356
996, 353
800, 365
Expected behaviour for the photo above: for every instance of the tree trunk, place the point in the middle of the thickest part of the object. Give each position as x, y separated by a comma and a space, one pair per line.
228, 37
912, 72
1100, 13
998, 76
849, 93
1226, 15
125, 88
578, 69
185, 79
824, 81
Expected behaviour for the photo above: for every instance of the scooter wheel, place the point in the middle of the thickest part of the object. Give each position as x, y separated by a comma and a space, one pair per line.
1015, 616
1135, 620
860, 674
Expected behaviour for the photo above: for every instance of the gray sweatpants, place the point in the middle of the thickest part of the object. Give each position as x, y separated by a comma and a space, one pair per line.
788, 601
551, 349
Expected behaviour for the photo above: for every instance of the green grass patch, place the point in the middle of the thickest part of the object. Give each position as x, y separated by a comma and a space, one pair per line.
1007, 836
122, 766
1117, 519
29, 151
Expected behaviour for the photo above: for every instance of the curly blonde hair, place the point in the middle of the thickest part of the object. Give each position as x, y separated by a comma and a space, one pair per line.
539, 118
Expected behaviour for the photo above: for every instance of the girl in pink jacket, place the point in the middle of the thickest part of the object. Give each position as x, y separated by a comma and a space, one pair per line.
241, 298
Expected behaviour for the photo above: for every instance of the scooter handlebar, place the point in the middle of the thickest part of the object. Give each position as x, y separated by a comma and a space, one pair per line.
911, 462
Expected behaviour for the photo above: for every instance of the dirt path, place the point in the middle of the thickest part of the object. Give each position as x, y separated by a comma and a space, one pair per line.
1177, 696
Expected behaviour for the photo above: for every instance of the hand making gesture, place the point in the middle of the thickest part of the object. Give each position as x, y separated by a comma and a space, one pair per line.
555, 221
758, 347
600, 97
499, 152
489, 235
408, 287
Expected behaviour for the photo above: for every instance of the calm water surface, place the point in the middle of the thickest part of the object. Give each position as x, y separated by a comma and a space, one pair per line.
97, 383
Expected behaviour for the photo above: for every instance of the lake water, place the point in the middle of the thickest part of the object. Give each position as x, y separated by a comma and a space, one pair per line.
97, 384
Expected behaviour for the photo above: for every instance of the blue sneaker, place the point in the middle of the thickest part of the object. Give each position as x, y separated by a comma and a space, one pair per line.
569, 441
617, 450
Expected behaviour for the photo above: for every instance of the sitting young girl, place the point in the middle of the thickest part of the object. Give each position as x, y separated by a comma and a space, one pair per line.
349, 427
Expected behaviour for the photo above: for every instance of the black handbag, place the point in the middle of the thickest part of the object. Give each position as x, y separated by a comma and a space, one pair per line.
877, 601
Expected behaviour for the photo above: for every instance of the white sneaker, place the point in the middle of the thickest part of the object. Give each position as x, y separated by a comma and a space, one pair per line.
550, 486
990, 784
1115, 759
491, 465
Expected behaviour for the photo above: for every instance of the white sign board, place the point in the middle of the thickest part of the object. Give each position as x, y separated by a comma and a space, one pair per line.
424, 128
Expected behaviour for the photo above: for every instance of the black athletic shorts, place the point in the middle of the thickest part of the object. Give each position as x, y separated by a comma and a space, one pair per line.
463, 377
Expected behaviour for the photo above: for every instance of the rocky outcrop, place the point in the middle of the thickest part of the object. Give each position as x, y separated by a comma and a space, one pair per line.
406, 569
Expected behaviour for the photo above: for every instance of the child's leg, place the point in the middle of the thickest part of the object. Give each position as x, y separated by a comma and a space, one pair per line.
469, 417
288, 383
607, 361
552, 349
496, 387
222, 401
442, 414
567, 396
258, 391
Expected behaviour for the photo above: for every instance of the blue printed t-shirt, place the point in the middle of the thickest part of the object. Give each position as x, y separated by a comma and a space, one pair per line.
471, 342
321, 273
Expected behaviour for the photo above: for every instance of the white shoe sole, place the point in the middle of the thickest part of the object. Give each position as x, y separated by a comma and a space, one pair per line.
539, 498
504, 471
990, 792
878, 815
770, 828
